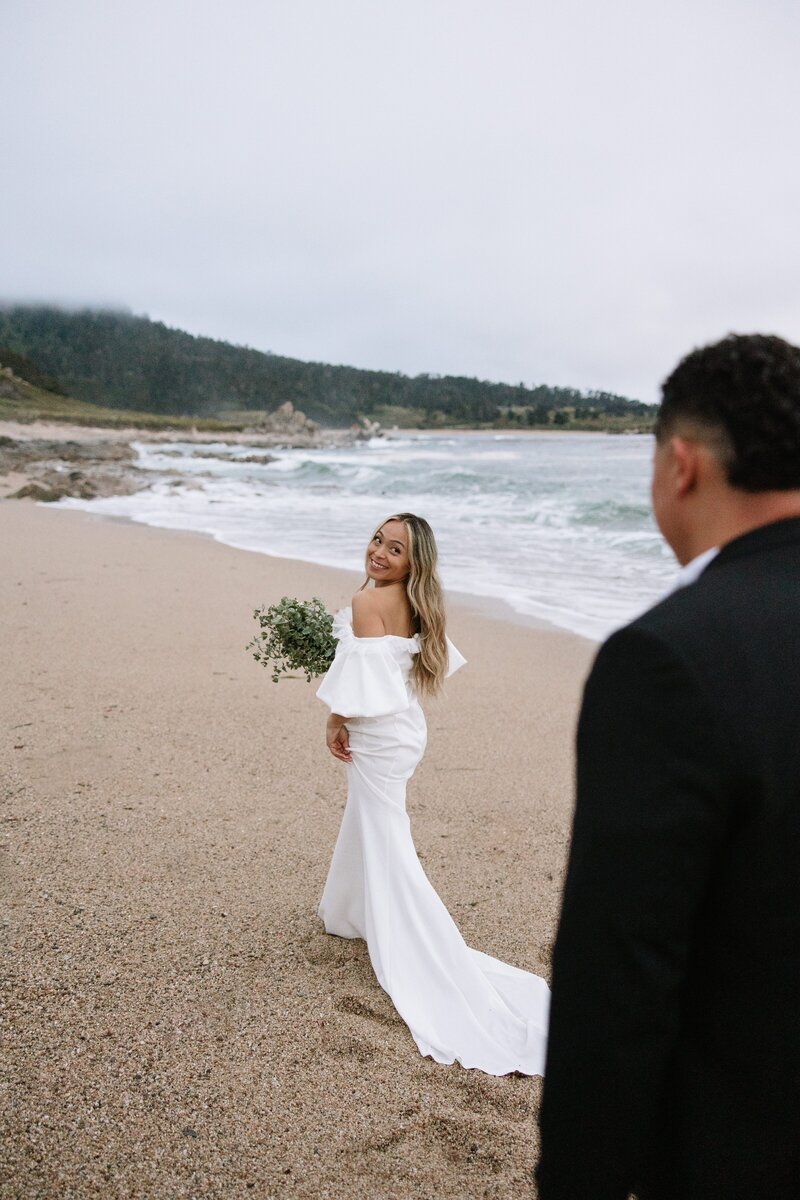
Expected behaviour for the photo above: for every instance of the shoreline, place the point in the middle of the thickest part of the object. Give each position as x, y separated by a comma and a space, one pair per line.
176, 1010
103, 468
65, 431
513, 432
488, 607
473, 604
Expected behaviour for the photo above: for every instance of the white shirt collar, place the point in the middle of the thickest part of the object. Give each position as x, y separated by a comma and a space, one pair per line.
694, 569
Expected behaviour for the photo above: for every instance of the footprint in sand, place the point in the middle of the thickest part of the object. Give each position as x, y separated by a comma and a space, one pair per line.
461, 1140
357, 1049
511, 1096
325, 951
356, 1008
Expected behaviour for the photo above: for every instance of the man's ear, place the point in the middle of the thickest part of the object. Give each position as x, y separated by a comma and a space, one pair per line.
686, 465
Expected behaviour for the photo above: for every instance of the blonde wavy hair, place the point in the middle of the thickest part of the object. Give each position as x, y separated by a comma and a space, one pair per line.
424, 591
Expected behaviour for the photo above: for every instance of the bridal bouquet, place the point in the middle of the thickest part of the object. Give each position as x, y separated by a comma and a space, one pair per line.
294, 635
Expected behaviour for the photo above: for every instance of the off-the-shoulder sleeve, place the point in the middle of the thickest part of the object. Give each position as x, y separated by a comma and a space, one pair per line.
364, 680
454, 659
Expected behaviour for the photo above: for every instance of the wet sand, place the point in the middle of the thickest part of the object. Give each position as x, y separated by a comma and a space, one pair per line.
178, 1025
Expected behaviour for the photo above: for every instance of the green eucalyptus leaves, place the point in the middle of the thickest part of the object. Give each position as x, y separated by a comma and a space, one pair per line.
294, 635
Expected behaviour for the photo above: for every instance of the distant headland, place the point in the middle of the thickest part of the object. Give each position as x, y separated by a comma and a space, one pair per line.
110, 367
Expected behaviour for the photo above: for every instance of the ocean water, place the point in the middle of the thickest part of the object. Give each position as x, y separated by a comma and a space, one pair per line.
557, 526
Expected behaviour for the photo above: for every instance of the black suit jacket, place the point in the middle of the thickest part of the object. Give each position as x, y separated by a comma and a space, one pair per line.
673, 1066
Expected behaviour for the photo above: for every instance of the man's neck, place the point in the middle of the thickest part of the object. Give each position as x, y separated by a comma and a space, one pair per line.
735, 513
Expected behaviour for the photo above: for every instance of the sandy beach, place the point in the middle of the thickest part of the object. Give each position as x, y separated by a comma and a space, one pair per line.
177, 1023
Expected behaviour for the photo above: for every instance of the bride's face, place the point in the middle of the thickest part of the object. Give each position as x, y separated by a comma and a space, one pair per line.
387, 554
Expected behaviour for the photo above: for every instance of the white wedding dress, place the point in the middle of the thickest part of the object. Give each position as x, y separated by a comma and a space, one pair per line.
460, 1005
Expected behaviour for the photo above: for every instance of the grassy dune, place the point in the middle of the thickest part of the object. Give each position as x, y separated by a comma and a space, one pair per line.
21, 401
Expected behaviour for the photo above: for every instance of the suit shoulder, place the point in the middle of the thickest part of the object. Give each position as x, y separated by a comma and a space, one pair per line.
680, 613
646, 667
638, 645
686, 627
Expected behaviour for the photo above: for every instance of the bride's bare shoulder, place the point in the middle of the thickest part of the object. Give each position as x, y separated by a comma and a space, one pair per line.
368, 614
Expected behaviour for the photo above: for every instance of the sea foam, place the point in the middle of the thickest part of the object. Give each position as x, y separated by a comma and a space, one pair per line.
558, 527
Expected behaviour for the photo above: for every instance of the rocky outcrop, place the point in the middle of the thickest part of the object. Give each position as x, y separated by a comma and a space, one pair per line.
54, 469
48, 493
36, 464
366, 429
289, 422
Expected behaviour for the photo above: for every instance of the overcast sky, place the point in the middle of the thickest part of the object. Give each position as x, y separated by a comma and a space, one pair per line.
558, 191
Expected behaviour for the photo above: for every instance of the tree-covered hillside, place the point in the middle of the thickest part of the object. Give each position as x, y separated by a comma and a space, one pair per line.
119, 360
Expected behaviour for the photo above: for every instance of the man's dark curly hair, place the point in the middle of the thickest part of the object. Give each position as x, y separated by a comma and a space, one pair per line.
744, 394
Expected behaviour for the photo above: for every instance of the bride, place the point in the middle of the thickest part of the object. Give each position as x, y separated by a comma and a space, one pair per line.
459, 1004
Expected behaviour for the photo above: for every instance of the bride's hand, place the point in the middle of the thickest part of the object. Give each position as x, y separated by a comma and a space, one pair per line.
337, 739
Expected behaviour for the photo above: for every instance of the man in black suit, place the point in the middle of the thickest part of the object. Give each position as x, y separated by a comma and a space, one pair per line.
673, 1067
